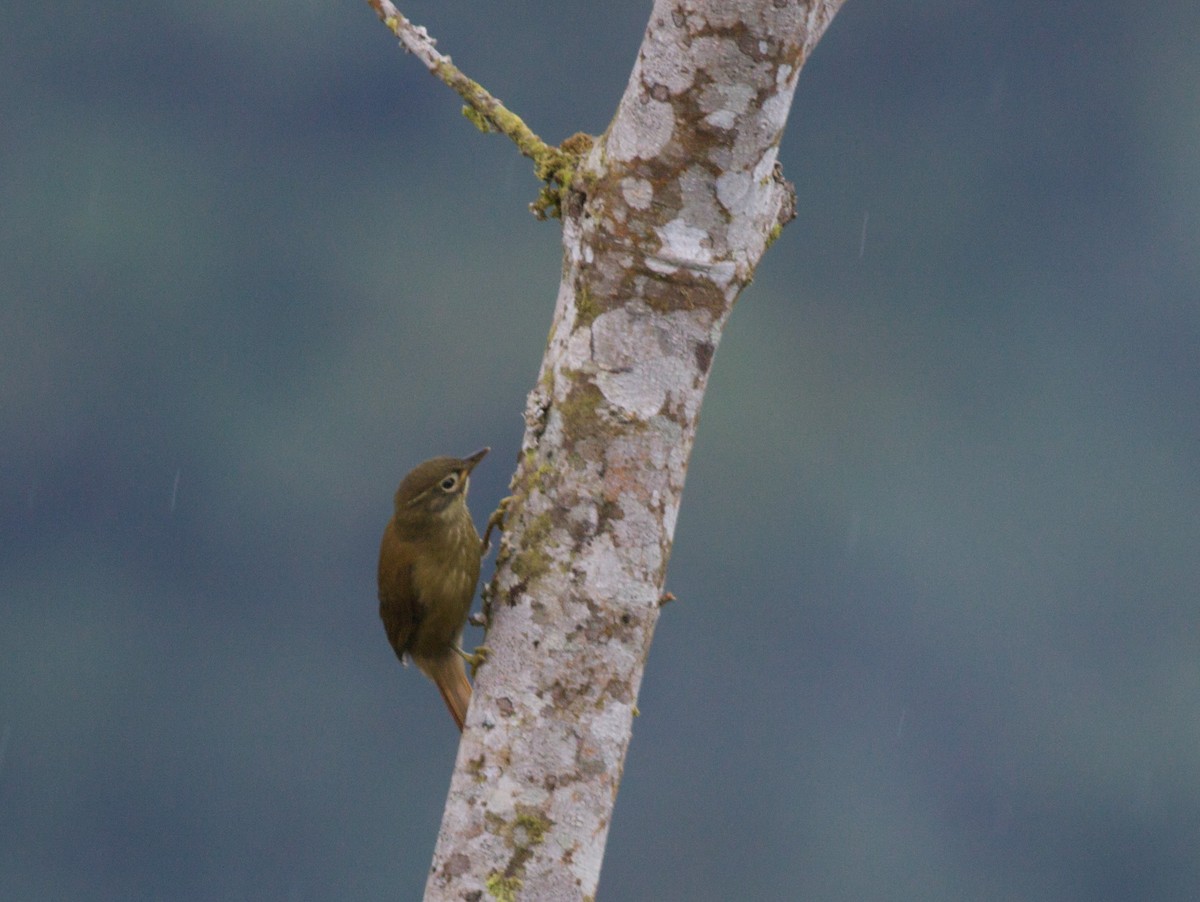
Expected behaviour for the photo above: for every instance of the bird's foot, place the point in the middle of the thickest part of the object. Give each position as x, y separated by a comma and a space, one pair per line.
476, 658
495, 521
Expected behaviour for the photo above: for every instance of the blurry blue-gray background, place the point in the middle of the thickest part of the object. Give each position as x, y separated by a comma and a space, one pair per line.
937, 563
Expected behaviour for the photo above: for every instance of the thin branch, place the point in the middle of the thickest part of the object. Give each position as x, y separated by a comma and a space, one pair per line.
551, 164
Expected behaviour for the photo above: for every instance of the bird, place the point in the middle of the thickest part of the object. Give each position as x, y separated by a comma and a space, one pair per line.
428, 567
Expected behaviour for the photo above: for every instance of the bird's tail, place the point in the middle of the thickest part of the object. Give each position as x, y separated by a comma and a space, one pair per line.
451, 678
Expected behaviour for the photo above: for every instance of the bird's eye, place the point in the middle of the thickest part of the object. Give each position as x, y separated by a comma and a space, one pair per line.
449, 483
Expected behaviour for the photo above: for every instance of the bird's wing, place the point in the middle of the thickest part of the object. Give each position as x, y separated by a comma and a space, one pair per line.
399, 607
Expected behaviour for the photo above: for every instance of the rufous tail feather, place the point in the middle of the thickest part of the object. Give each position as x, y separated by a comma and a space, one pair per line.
451, 678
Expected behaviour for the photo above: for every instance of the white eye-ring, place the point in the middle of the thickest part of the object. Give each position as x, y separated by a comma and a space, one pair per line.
449, 483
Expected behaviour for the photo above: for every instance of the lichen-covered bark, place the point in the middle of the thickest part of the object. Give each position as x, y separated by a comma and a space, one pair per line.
669, 215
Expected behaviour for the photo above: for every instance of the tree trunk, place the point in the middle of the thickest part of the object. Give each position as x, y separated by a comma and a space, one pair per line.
664, 223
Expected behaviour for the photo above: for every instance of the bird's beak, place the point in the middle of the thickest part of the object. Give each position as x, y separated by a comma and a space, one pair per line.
475, 458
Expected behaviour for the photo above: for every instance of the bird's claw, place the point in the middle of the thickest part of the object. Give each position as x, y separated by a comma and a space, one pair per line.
495, 521
476, 658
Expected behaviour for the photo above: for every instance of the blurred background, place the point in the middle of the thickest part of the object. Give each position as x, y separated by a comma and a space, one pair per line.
938, 561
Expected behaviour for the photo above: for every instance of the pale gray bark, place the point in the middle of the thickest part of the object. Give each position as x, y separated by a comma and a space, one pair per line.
667, 218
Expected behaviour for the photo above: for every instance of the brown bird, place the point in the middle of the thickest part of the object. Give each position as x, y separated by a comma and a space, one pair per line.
428, 567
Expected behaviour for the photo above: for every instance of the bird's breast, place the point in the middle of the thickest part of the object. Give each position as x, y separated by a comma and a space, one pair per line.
444, 577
